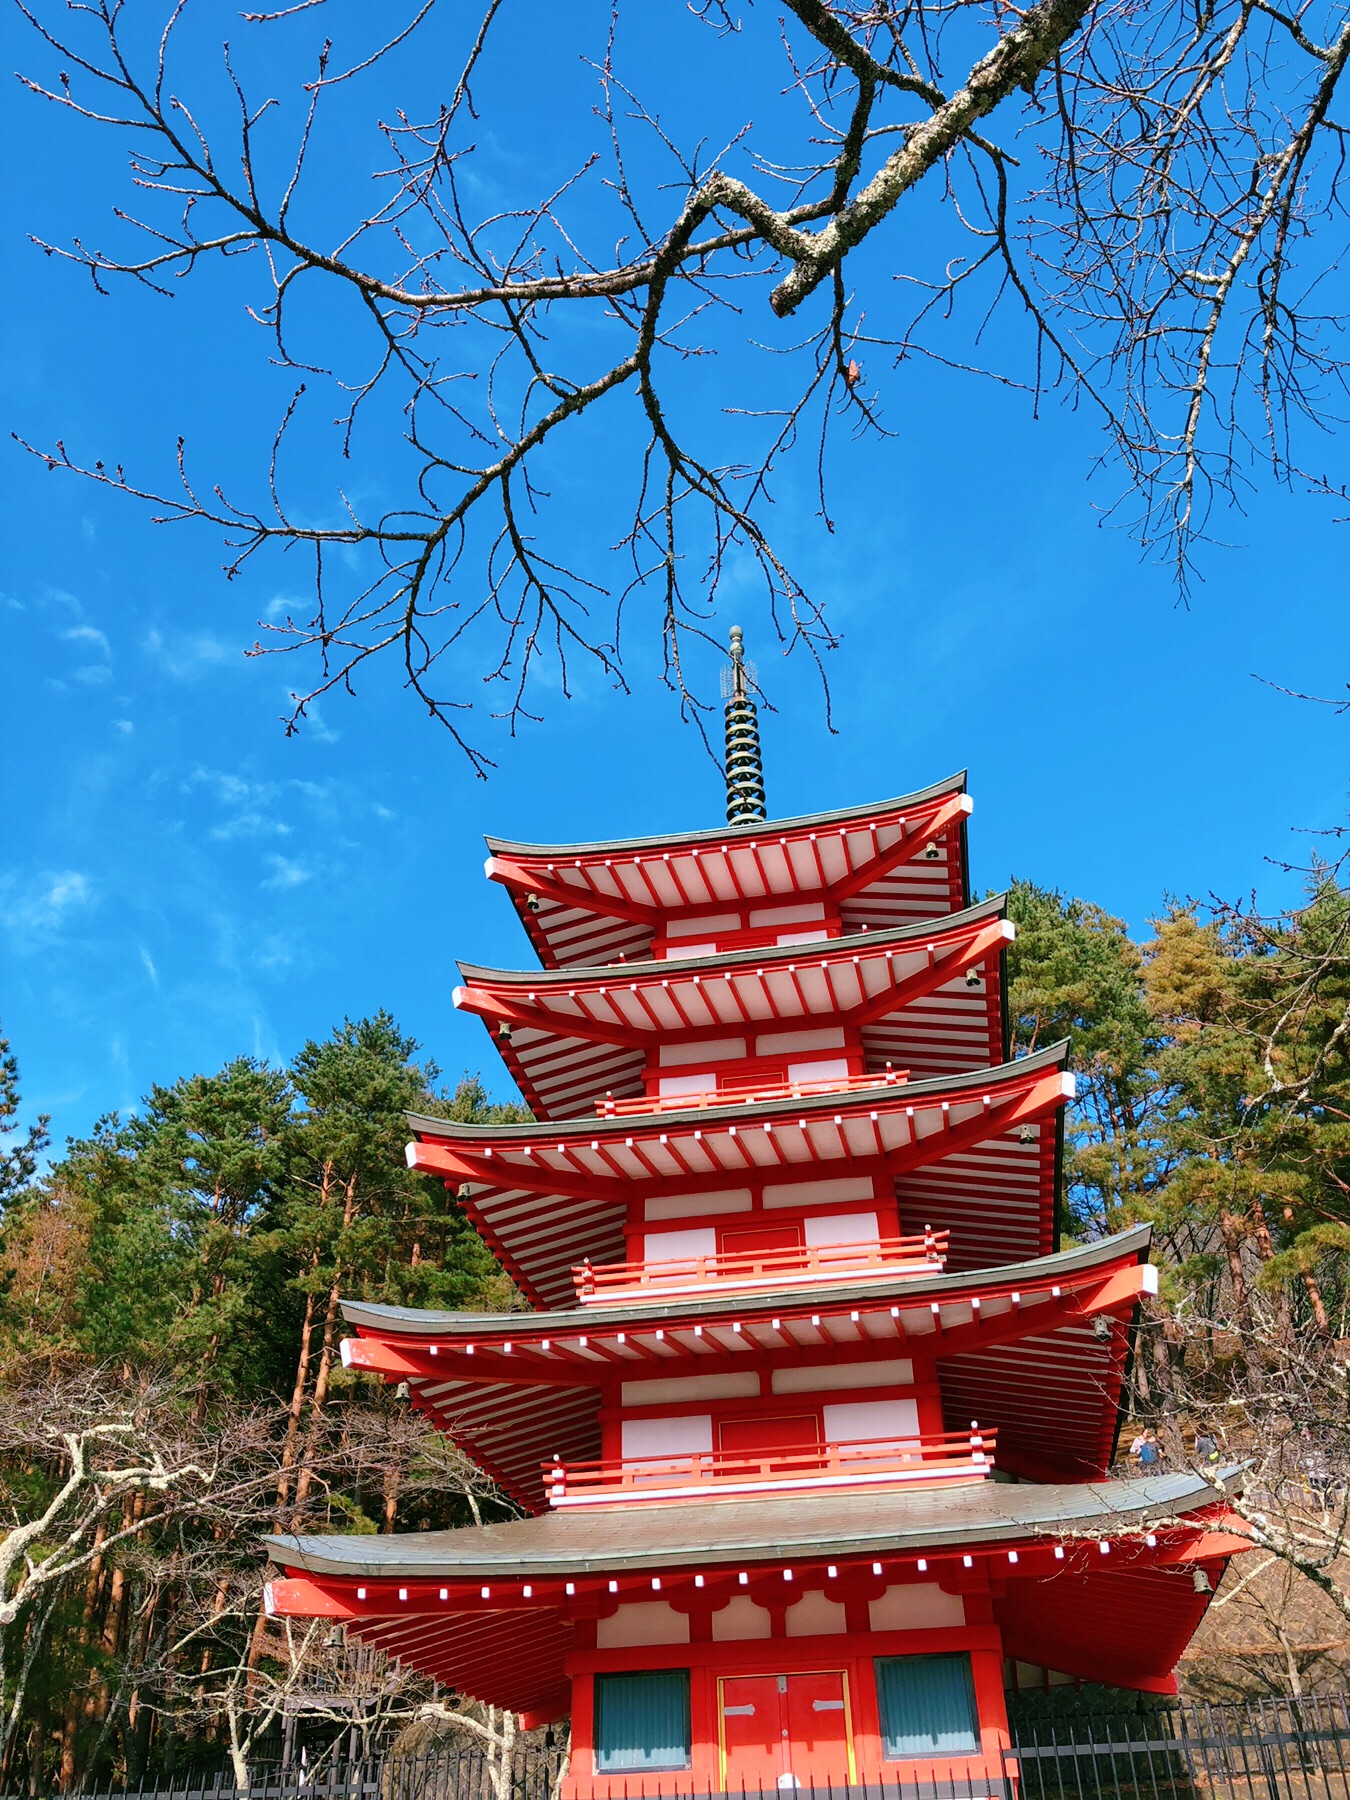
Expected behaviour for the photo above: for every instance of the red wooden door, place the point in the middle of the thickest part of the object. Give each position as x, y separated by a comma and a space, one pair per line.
753, 1733
785, 1731
817, 1723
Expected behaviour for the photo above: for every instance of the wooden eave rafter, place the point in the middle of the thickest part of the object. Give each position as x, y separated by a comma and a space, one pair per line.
704, 999
850, 1329
642, 882
536, 1191
553, 1158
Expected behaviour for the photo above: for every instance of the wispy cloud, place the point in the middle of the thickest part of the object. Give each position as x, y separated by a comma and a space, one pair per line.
231, 790
190, 654
125, 726
68, 890
148, 964
44, 904
286, 872
248, 825
88, 634
92, 674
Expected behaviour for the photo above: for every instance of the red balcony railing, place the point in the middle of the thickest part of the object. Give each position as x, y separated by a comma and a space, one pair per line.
746, 1093
876, 1462
760, 1269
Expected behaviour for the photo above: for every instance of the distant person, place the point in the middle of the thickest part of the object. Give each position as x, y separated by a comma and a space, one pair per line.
1146, 1450
1317, 1470
1206, 1449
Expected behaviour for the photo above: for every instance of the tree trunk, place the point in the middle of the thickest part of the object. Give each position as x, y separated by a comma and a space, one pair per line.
1232, 1245
76, 1705
325, 1370
291, 1442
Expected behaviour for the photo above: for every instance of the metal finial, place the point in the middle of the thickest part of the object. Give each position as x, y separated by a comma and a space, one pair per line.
745, 768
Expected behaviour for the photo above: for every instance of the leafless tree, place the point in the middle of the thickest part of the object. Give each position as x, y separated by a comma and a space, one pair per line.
138, 1524
1268, 1424
1150, 186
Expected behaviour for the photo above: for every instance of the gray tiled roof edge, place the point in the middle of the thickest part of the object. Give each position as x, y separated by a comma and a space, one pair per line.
627, 1125
896, 1287
721, 834
703, 1535
993, 908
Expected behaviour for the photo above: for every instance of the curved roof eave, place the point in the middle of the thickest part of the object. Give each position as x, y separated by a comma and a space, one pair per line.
1054, 1056
721, 834
559, 1322
653, 1536
995, 907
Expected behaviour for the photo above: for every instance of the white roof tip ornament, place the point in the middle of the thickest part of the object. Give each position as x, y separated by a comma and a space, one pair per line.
744, 764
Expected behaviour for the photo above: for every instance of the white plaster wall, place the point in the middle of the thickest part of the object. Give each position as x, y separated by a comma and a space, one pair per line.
719, 1050
917, 1606
678, 1246
833, 1070
815, 1614
787, 915
694, 1206
644, 1622
719, 922
789, 1043
823, 1378
734, 1384
666, 1437
819, 1193
842, 1228
854, 1420
740, 1618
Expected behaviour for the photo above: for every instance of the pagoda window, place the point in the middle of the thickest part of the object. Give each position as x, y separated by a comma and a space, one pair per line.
751, 1240
751, 1438
927, 1706
642, 1721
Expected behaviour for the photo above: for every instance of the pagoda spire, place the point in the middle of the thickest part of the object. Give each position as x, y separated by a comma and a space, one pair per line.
745, 767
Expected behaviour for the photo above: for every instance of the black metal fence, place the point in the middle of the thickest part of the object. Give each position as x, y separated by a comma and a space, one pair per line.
1248, 1750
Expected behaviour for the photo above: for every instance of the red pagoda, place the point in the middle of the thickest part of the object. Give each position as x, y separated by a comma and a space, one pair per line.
813, 1416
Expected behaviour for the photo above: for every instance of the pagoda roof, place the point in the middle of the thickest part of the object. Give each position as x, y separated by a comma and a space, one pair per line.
601, 903
546, 1195
680, 1536
1024, 1358
500, 1628
577, 1035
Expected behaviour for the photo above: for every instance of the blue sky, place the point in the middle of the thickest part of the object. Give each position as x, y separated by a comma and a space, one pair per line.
180, 882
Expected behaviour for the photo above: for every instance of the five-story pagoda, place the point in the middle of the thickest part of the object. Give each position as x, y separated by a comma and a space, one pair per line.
813, 1415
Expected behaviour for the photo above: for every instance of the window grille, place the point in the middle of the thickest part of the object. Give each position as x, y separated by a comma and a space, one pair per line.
927, 1706
642, 1721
